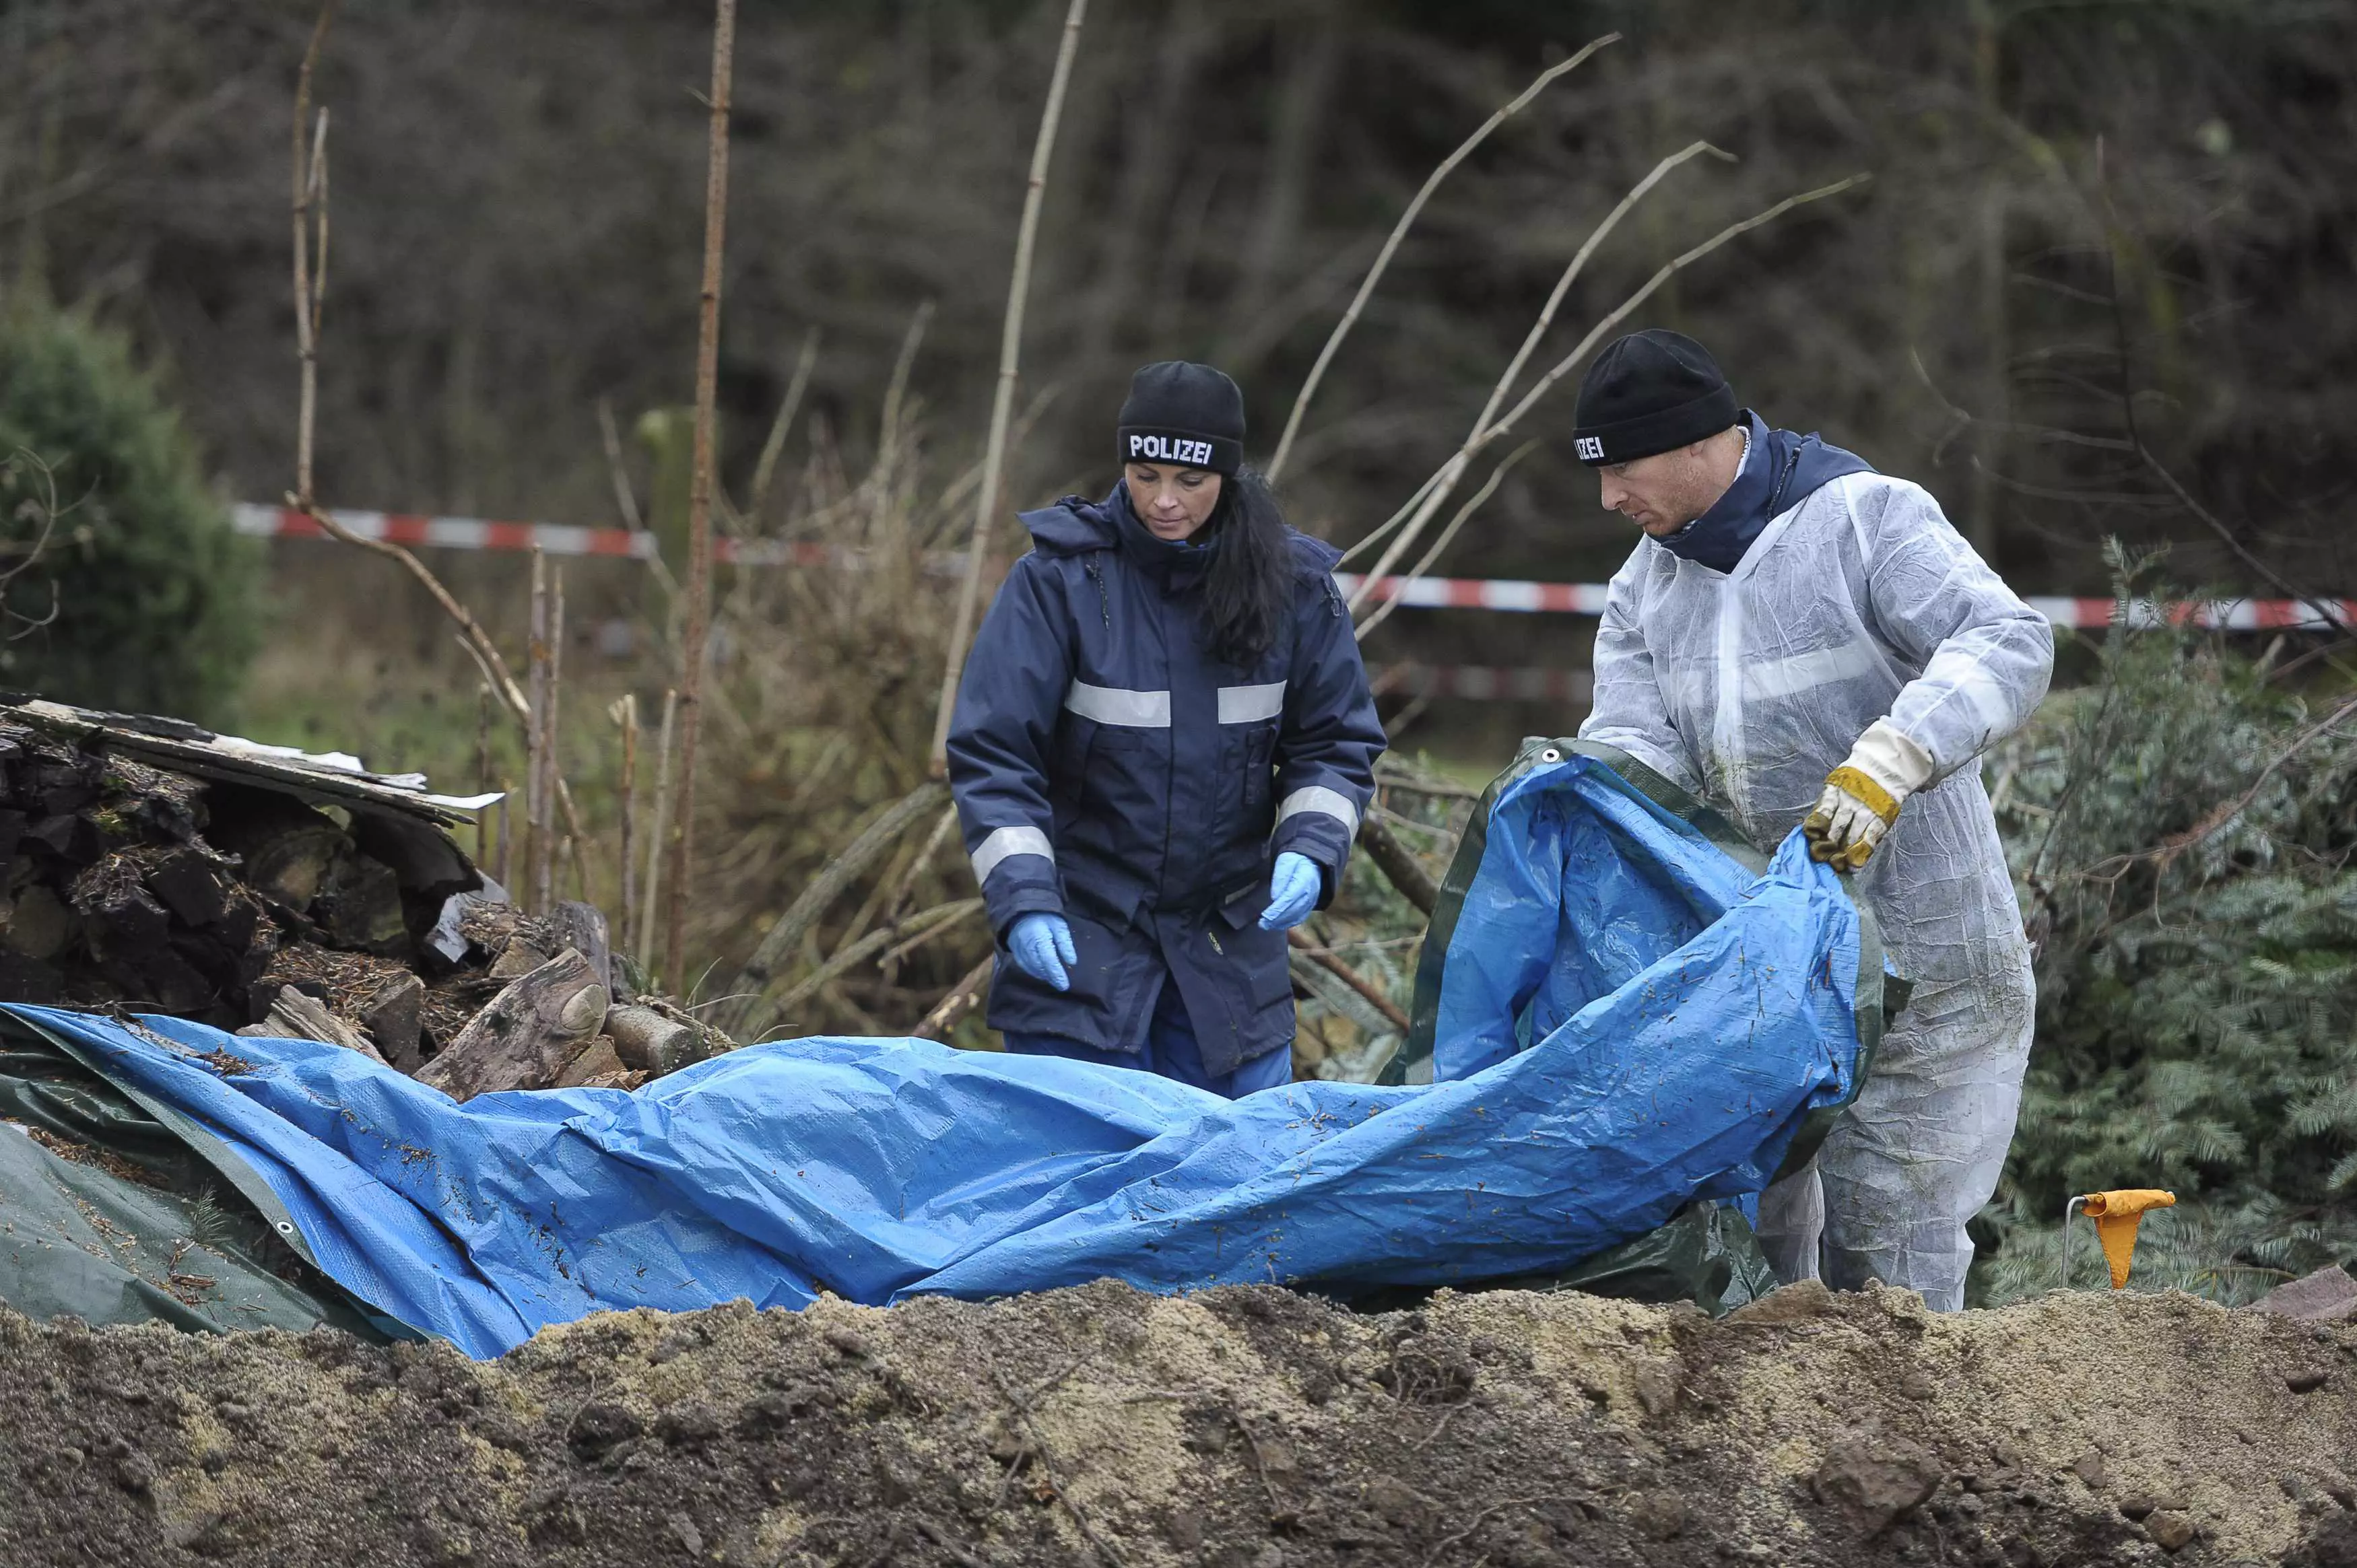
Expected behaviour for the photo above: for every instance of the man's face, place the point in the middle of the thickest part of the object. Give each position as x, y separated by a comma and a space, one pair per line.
1660, 494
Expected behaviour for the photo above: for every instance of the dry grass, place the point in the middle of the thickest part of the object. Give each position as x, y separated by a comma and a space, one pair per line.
819, 716
819, 709
822, 716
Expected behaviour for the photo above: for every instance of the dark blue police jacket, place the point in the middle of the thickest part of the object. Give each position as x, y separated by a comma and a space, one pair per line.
1108, 770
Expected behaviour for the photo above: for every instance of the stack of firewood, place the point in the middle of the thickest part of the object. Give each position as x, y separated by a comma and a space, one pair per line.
154, 867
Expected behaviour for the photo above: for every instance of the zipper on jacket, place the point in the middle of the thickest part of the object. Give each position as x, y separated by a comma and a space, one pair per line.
1096, 575
1776, 496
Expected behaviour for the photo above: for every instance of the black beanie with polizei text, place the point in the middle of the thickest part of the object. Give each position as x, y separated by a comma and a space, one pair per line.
1191, 415
1650, 392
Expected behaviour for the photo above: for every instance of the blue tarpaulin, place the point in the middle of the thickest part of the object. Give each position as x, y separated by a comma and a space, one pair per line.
1687, 1015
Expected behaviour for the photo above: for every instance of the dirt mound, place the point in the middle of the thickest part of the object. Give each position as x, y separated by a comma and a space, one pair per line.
1249, 1427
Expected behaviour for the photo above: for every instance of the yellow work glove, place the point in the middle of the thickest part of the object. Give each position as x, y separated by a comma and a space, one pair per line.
1863, 796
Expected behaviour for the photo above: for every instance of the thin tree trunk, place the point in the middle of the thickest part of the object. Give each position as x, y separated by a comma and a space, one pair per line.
576, 841
535, 784
310, 177
507, 836
693, 656
658, 834
482, 768
553, 849
1002, 405
626, 715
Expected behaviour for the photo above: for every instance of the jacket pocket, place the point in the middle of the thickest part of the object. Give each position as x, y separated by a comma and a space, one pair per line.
1112, 827
1247, 762
1261, 959
1105, 1007
1068, 759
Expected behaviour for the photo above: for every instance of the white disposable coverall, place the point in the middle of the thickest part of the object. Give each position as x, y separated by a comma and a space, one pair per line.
1859, 603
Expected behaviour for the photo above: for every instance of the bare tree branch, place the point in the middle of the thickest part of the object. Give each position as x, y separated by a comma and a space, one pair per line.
958, 1001
1489, 487
610, 439
658, 831
2326, 610
308, 181
693, 654
1432, 182
22, 461
916, 929
783, 940
1398, 863
1002, 405
1301, 943
1485, 432
766, 469
1428, 498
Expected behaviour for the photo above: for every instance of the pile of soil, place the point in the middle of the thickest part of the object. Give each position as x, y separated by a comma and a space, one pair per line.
1251, 1427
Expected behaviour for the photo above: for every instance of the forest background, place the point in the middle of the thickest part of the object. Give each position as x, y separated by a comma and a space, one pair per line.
2096, 296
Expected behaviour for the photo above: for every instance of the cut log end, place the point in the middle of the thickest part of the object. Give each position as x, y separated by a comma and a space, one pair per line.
529, 1034
653, 1043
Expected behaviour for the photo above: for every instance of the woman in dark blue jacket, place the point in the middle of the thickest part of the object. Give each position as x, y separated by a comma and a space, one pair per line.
1161, 750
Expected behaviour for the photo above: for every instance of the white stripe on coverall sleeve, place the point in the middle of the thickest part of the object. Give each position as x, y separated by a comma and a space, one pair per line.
1318, 798
1249, 704
1114, 705
1005, 844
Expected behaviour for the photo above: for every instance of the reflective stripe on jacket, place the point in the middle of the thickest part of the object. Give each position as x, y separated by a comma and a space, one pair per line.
1107, 768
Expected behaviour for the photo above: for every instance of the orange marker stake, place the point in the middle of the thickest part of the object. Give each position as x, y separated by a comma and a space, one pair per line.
2116, 1215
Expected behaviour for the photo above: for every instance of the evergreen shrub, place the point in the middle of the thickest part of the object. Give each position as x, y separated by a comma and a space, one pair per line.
143, 597
2181, 833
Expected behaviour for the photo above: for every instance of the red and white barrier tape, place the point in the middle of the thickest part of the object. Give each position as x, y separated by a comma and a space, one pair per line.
478, 533
1422, 593
1484, 683
2089, 614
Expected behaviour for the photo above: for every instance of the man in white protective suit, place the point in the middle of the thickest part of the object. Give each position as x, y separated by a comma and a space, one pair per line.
1801, 640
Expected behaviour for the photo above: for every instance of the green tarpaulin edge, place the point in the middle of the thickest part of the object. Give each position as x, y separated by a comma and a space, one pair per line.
1879, 996
1706, 1253
77, 1237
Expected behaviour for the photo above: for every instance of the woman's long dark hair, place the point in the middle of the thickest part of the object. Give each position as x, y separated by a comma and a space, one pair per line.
1248, 587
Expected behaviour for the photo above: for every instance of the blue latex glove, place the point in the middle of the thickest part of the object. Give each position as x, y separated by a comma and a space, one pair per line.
1042, 945
1293, 892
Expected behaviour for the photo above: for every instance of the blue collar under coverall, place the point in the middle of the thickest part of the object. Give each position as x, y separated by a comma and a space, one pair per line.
1107, 768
